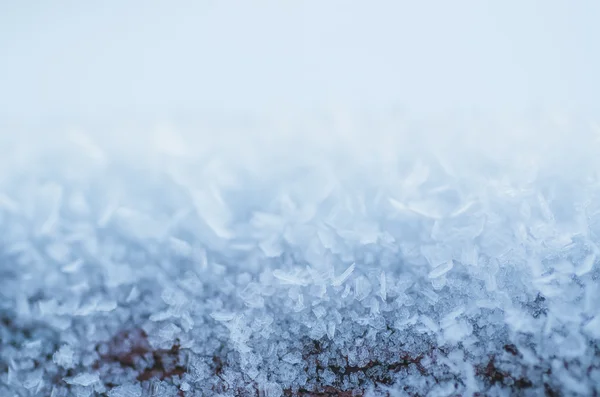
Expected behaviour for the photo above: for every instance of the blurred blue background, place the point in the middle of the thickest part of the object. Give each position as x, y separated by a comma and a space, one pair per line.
147, 59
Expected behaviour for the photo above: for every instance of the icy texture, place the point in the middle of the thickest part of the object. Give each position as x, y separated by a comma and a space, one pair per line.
342, 257
126, 391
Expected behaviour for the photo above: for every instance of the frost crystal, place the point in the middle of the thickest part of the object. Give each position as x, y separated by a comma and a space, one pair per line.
126, 391
83, 379
64, 357
250, 263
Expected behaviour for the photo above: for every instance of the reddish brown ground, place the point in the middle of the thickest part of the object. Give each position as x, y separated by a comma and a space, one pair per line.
129, 346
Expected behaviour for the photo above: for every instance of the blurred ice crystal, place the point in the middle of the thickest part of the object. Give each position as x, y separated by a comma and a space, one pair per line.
441, 269
83, 379
126, 391
64, 357
316, 266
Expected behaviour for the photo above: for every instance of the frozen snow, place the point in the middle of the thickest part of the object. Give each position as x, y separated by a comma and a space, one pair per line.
252, 261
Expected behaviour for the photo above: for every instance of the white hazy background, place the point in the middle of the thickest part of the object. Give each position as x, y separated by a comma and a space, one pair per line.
86, 61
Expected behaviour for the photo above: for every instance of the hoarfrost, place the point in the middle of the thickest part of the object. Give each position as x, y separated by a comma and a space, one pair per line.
202, 269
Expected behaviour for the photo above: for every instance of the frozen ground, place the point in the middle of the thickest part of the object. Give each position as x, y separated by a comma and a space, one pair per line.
333, 258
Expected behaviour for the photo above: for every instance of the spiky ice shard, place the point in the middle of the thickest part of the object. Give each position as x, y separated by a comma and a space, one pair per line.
325, 259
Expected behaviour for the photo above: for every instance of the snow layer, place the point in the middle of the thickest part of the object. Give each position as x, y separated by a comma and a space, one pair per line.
336, 257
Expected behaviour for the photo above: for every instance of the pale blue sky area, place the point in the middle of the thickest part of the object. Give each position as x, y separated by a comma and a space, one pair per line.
100, 58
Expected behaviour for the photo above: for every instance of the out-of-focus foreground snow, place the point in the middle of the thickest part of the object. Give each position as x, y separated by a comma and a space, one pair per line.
330, 256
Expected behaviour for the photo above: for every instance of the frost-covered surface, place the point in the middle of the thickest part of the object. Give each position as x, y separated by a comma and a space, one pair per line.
326, 258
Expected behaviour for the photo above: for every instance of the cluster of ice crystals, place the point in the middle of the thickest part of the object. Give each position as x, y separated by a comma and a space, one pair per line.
382, 259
